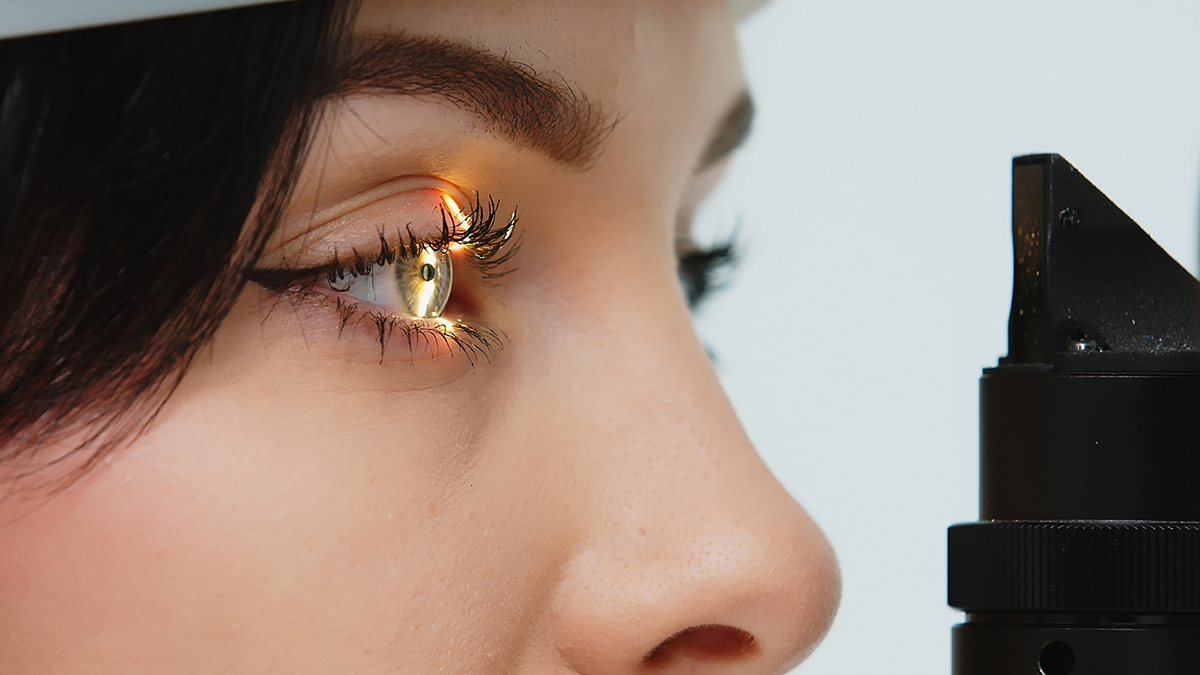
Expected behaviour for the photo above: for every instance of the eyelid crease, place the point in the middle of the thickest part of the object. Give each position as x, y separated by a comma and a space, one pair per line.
322, 218
415, 215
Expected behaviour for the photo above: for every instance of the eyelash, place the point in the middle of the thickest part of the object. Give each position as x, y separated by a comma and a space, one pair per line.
489, 247
704, 271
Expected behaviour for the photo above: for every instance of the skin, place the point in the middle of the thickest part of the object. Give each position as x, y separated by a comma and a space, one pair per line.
583, 500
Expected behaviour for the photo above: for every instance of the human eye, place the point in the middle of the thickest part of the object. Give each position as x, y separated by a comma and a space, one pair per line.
705, 264
413, 265
705, 269
409, 282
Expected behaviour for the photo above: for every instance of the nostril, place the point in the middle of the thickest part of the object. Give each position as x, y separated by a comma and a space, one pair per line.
702, 643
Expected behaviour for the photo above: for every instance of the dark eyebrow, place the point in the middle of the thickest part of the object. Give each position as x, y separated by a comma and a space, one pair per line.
730, 132
551, 118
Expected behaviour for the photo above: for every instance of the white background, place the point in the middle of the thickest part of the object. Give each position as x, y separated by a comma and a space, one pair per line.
874, 197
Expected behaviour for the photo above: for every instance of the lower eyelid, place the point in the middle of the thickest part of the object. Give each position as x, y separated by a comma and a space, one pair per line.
350, 330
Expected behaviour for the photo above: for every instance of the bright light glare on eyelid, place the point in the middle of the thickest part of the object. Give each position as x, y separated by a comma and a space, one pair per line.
462, 221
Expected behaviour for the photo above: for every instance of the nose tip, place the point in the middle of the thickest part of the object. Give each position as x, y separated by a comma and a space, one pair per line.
686, 555
708, 596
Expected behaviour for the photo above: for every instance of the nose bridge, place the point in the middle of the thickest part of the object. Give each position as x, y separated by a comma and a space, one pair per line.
694, 554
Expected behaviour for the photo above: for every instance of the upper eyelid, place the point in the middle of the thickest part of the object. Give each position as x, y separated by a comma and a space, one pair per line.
491, 242
309, 224
401, 216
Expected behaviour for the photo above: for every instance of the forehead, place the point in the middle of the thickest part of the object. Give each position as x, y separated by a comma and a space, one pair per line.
666, 68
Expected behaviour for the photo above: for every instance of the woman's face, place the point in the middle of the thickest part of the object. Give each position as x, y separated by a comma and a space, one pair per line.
576, 498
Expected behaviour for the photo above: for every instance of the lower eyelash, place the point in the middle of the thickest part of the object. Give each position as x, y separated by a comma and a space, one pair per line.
475, 341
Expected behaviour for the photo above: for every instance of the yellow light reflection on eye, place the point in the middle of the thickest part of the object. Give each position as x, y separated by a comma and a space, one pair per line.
427, 289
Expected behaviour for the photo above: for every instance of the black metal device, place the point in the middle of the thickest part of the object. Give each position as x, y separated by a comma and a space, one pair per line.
1086, 556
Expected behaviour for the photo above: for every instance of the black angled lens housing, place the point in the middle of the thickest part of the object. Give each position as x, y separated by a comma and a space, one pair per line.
1086, 556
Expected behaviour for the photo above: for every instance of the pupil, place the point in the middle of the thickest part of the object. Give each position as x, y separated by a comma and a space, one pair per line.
427, 272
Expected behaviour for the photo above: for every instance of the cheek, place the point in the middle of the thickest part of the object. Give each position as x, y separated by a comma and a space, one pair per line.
264, 511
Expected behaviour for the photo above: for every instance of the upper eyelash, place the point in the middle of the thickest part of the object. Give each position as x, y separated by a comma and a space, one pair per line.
700, 268
490, 246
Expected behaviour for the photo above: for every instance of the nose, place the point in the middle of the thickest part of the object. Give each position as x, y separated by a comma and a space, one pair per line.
695, 558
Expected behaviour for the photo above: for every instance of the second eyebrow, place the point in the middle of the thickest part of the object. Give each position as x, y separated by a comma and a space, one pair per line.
730, 132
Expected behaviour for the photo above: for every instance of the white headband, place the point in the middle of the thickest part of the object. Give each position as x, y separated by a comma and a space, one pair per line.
27, 17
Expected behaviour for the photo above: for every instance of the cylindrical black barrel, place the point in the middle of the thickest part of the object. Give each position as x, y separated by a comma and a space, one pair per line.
1088, 447
1086, 560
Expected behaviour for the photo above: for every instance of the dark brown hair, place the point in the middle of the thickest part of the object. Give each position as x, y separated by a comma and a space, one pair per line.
131, 160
